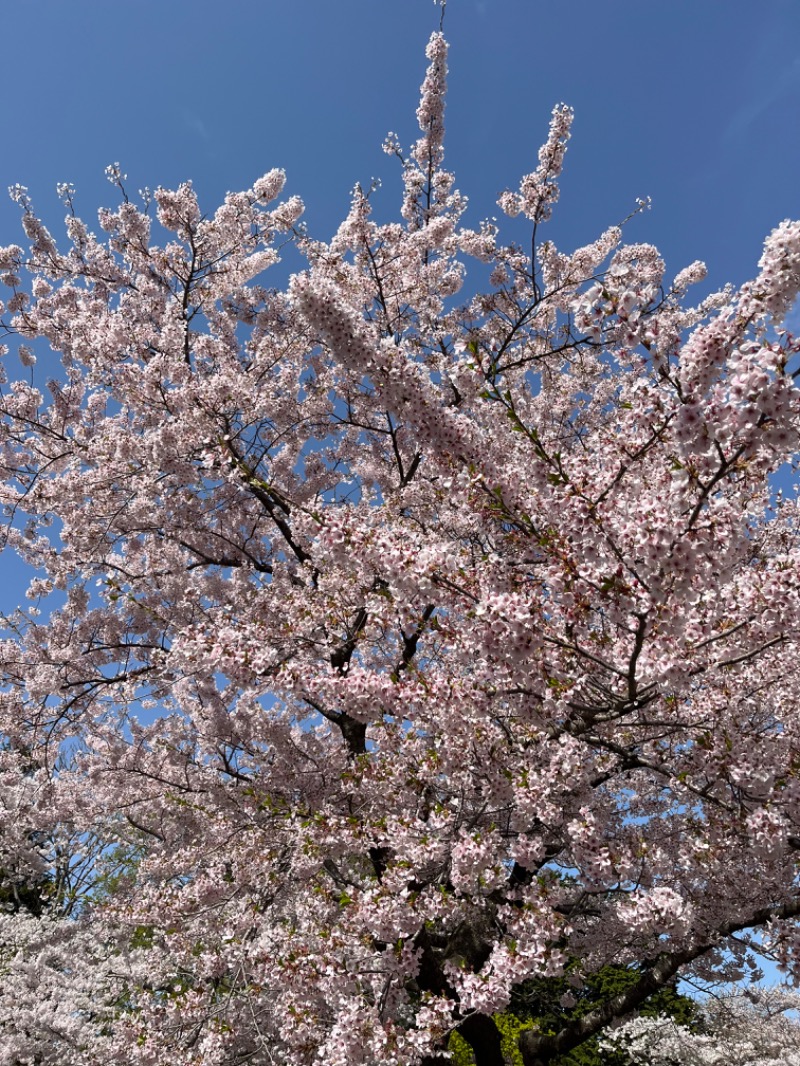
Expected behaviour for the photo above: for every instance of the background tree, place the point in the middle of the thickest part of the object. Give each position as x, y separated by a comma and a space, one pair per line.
741, 1028
470, 629
548, 1004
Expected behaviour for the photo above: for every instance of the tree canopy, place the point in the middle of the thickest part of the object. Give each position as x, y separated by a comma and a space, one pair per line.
399, 636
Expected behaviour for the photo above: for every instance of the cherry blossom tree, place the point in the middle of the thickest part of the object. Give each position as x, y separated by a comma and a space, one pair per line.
757, 1028
390, 643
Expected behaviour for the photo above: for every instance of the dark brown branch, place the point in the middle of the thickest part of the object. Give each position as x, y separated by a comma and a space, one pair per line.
275, 506
341, 656
411, 640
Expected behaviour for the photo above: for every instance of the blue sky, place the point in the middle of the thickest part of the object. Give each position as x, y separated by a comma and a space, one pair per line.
694, 103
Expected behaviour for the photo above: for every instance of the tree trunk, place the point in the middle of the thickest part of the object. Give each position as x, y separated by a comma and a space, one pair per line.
483, 1036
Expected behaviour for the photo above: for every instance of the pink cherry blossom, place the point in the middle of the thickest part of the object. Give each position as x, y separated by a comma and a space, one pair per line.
387, 647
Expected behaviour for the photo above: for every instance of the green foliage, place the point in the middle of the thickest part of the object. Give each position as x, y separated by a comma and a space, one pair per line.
460, 1051
116, 867
537, 1005
510, 1027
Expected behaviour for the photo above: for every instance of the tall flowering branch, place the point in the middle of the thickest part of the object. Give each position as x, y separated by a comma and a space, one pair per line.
538, 191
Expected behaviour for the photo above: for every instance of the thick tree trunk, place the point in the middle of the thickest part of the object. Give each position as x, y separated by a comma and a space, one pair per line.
483, 1036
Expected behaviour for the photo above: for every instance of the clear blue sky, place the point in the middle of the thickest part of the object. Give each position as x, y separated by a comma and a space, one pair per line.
695, 103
